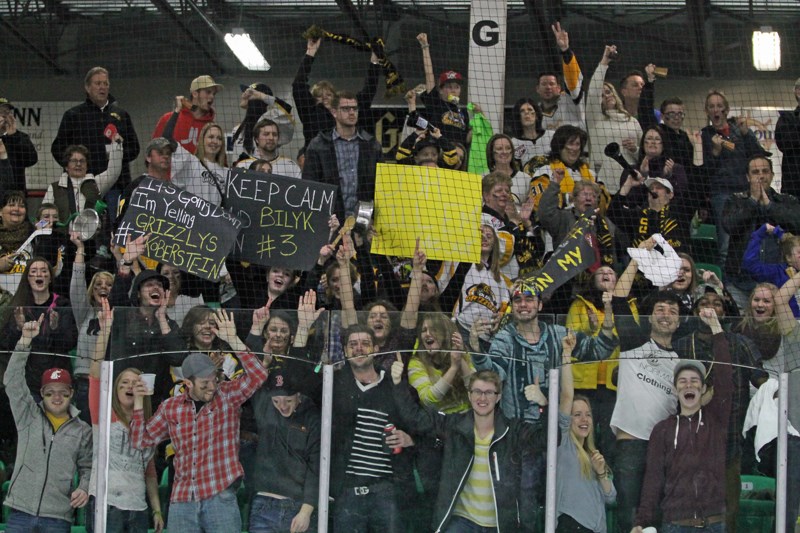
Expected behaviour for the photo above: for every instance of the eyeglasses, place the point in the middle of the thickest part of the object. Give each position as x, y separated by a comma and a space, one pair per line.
675, 114
77, 161
481, 393
349, 109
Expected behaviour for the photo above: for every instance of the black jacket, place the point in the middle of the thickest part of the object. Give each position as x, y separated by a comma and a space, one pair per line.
315, 116
321, 166
85, 124
21, 154
787, 137
742, 216
287, 460
511, 438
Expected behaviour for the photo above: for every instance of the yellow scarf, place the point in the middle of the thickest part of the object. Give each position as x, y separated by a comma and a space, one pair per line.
541, 181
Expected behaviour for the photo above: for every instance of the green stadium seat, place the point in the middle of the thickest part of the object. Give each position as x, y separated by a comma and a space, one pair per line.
757, 505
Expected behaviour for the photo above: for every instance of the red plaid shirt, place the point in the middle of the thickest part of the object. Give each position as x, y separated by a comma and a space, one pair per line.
206, 443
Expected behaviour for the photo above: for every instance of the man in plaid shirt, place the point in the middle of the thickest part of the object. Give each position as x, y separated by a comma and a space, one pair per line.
203, 424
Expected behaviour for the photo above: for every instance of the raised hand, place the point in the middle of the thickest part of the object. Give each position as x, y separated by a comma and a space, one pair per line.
422, 39
307, 312
226, 327
260, 319
569, 341
598, 463
397, 369
31, 328
533, 393
562, 37
135, 247
420, 259
609, 53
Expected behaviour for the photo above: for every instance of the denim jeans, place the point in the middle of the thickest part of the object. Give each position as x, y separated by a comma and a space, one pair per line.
81, 399
459, 524
630, 462
719, 527
118, 520
376, 510
567, 524
270, 515
19, 522
218, 514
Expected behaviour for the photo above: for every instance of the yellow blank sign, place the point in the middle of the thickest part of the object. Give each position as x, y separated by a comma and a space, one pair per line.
441, 207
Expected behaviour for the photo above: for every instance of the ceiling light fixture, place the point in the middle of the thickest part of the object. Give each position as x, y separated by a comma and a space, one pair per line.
246, 51
766, 49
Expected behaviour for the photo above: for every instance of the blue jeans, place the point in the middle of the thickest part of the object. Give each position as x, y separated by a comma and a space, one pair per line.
459, 524
118, 520
81, 399
719, 527
363, 509
270, 515
630, 462
19, 522
217, 514
723, 239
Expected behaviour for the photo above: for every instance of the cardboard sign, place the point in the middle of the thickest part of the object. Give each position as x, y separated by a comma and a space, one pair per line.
442, 207
185, 230
284, 220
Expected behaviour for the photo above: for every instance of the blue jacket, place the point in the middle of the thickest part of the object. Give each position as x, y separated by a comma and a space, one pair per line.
519, 363
775, 273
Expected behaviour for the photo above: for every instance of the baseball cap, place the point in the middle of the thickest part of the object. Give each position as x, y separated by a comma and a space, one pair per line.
198, 365
693, 364
261, 87
663, 181
56, 375
279, 384
5, 102
159, 144
204, 82
450, 75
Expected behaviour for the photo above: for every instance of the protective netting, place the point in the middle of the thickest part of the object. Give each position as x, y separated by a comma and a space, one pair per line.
484, 162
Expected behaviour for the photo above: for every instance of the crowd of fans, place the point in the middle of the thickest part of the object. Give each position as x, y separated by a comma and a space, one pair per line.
442, 368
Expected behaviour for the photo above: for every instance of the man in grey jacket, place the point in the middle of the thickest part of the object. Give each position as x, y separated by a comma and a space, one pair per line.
53, 443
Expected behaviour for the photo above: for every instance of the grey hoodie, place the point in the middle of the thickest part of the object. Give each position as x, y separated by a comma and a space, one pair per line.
46, 461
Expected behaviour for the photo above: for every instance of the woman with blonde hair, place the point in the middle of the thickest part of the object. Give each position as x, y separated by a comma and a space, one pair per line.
607, 121
86, 304
201, 173
131, 472
583, 486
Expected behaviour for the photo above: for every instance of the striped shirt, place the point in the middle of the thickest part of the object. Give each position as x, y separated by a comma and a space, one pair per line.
367, 456
476, 501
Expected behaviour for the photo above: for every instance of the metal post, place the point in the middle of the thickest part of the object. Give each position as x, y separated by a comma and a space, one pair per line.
103, 428
783, 426
325, 448
552, 448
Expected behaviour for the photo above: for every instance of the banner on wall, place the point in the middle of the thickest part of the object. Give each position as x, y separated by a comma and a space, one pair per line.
40, 120
487, 58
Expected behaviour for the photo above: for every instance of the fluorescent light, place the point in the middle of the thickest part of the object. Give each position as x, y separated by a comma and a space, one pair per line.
245, 50
766, 49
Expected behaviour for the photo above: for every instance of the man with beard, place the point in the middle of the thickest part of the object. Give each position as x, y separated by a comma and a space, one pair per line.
645, 393
364, 472
747, 358
267, 139
522, 353
687, 451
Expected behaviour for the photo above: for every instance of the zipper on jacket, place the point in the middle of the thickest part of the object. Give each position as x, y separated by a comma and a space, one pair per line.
458, 490
494, 496
47, 463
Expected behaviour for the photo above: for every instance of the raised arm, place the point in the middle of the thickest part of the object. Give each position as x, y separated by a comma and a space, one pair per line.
786, 320
427, 63
573, 77
567, 380
343, 256
408, 320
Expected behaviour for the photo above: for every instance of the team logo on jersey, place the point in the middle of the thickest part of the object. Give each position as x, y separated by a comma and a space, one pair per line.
482, 294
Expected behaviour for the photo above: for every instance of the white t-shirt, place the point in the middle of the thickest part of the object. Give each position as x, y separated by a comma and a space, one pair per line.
645, 394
